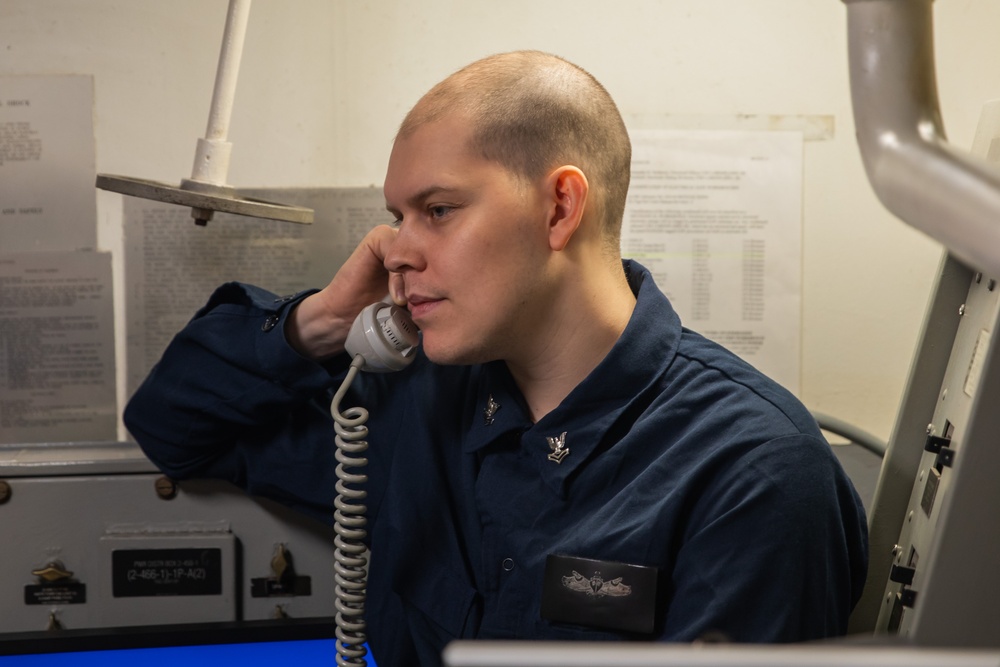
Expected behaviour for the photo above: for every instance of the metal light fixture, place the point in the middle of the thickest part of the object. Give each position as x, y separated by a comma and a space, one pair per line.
206, 191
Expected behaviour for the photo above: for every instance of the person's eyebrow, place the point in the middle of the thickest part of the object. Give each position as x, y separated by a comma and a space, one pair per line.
417, 198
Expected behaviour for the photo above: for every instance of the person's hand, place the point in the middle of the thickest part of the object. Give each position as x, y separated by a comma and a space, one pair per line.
318, 327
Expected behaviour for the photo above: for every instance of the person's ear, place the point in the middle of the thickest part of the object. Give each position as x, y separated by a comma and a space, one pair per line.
568, 187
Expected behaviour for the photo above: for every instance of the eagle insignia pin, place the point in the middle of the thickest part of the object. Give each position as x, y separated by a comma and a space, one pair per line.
558, 447
491, 409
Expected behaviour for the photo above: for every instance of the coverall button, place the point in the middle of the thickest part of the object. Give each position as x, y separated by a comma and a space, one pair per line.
507, 564
270, 323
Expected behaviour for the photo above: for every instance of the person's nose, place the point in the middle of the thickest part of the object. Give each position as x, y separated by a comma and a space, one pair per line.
405, 253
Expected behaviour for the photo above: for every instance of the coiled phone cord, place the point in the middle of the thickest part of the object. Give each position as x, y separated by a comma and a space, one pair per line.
351, 561
382, 339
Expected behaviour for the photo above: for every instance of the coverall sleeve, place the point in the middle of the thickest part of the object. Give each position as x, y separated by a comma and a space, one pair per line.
230, 399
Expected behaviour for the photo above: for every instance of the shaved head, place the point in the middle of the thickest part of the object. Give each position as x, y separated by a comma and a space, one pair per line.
532, 112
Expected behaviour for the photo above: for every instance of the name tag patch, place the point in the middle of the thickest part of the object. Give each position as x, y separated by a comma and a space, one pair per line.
600, 594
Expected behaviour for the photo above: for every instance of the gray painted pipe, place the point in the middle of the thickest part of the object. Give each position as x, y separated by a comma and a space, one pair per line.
950, 195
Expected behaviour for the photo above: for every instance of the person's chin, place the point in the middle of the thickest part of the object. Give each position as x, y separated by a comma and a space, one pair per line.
450, 355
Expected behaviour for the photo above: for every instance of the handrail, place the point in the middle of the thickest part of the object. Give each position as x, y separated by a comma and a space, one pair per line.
948, 194
855, 434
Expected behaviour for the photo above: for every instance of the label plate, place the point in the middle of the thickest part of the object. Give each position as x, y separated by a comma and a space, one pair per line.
155, 572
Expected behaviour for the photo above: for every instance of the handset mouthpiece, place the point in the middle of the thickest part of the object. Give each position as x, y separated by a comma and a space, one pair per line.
385, 336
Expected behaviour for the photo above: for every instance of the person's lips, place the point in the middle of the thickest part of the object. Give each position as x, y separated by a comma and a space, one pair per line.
421, 306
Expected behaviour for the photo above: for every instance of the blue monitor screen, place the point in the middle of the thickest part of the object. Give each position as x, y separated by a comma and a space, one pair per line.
297, 652
207, 645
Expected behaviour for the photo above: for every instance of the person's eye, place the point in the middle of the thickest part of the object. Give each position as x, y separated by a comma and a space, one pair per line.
439, 211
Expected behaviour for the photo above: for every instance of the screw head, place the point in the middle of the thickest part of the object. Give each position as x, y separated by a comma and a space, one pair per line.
166, 488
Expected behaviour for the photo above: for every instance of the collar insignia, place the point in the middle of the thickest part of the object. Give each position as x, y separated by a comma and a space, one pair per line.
558, 447
491, 409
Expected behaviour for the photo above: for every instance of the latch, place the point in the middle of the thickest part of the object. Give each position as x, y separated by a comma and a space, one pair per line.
54, 585
284, 582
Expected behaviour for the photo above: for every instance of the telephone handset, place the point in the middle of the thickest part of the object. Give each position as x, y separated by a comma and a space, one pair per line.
382, 338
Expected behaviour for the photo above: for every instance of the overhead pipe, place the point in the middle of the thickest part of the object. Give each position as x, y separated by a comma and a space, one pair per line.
948, 194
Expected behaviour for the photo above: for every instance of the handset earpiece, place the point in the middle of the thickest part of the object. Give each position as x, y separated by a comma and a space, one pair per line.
384, 336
